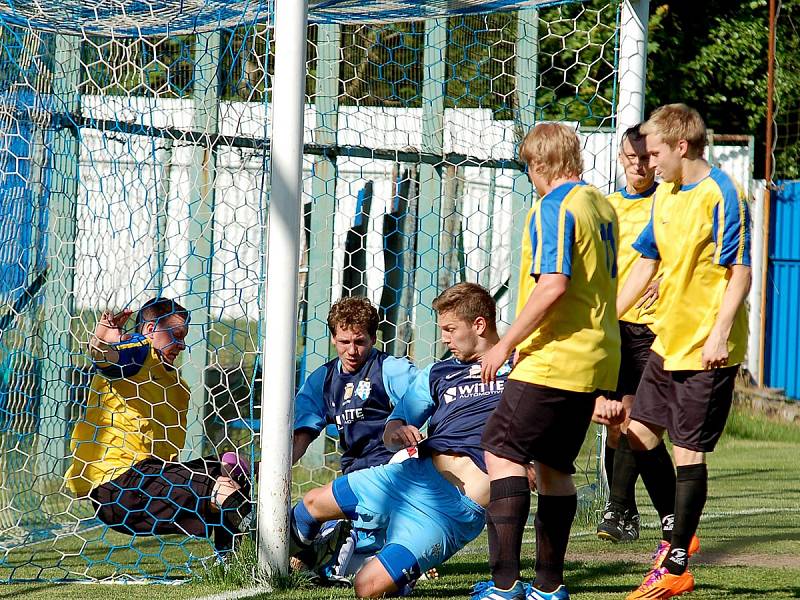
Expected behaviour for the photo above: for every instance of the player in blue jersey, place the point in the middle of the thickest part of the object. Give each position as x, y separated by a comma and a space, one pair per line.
356, 392
427, 508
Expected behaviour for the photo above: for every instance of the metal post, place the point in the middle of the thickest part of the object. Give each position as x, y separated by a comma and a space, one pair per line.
767, 193
200, 258
323, 209
430, 192
59, 290
278, 345
522, 191
632, 68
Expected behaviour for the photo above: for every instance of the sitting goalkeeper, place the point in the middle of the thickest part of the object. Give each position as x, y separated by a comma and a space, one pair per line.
425, 509
125, 447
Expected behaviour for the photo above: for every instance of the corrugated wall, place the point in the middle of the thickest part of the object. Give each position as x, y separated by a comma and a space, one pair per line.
783, 281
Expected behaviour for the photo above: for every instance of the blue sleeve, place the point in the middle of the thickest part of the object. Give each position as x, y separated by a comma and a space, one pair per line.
731, 228
417, 405
398, 374
645, 244
552, 238
309, 405
132, 354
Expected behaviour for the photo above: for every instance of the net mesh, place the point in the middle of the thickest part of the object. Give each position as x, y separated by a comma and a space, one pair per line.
136, 166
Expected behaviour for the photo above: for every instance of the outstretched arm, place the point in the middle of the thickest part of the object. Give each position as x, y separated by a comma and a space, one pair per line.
108, 332
643, 271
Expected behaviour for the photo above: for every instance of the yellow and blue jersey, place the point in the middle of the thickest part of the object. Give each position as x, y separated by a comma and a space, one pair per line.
698, 232
633, 214
572, 231
136, 409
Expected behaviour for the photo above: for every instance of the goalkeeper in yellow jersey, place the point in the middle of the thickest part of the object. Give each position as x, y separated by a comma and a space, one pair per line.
699, 235
126, 445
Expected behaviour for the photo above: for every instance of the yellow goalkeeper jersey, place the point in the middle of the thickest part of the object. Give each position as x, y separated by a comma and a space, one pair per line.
136, 409
572, 231
633, 214
697, 231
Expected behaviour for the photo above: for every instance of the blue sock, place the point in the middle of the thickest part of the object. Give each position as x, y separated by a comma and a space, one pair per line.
305, 526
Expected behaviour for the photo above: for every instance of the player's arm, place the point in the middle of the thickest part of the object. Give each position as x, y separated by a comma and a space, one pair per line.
547, 292
732, 239
715, 350
642, 272
552, 234
107, 333
310, 416
398, 375
413, 410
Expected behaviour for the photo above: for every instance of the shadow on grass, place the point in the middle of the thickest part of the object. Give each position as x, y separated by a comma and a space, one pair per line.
21, 591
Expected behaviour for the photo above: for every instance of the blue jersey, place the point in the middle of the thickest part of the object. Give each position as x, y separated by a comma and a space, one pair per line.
357, 403
450, 396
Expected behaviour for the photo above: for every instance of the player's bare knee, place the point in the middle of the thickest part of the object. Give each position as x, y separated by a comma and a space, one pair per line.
372, 585
641, 437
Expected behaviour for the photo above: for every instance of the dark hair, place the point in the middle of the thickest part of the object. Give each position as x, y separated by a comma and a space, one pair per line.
634, 134
157, 308
469, 301
353, 311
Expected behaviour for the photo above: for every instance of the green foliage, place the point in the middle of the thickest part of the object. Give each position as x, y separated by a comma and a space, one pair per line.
743, 424
713, 56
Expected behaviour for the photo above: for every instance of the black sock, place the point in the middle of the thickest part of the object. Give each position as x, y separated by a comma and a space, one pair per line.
608, 463
690, 498
554, 516
623, 496
658, 476
506, 516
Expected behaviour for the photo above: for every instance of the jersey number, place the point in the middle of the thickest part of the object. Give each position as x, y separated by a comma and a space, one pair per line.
607, 235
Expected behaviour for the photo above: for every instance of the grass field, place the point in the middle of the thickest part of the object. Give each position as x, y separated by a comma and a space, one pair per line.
750, 538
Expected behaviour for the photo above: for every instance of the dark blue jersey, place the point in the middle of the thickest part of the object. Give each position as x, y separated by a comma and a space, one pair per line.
357, 403
450, 396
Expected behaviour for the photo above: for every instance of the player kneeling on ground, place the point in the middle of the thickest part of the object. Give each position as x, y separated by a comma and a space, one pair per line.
426, 509
125, 446
356, 392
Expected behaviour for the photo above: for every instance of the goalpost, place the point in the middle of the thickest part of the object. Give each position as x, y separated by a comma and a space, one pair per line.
177, 153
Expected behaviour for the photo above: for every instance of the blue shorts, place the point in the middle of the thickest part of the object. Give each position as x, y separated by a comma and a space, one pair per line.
425, 518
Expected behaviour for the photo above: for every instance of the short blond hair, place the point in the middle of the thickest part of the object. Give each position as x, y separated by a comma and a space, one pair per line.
552, 150
676, 122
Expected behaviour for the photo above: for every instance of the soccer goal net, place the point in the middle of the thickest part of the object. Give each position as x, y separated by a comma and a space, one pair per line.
135, 164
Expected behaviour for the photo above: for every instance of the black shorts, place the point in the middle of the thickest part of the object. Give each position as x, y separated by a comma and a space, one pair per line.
692, 406
636, 342
536, 422
155, 497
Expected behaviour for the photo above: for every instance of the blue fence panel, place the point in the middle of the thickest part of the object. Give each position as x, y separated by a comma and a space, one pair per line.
783, 289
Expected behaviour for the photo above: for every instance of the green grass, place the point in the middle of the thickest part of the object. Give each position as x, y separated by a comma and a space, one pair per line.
750, 542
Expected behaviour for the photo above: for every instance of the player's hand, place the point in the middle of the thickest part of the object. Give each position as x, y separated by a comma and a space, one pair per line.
715, 351
530, 471
109, 320
650, 294
405, 436
493, 360
608, 412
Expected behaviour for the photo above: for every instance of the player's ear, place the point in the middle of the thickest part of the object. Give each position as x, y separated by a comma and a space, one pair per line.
683, 148
149, 327
479, 325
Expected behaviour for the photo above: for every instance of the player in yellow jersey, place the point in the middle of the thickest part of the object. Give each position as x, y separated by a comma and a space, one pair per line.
699, 235
567, 336
126, 445
633, 203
